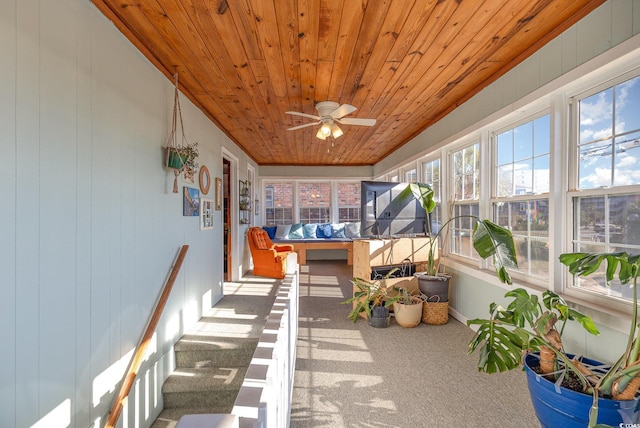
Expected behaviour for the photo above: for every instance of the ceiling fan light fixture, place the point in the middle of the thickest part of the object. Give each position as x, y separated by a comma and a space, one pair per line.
321, 135
325, 130
336, 131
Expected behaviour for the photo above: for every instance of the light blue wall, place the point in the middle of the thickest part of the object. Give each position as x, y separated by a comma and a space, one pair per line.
470, 298
89, 227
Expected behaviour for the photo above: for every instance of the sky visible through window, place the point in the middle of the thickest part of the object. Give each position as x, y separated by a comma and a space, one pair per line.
609, 141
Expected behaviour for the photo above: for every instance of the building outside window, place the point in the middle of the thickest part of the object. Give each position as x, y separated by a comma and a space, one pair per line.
278, 203
348, 202
606, 205
314, 199
465, 167
521, 203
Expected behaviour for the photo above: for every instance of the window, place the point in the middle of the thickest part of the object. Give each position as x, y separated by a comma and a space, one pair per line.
314, 202
279, 203
606, 212
522, 185
465, 167
431, 176
348, 202
411, 176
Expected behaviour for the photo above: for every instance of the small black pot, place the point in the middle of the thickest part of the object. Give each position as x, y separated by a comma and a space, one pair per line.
380, 317
434, 286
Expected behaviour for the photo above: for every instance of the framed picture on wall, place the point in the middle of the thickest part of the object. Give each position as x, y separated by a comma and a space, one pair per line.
206, 213
218, 193
190, 201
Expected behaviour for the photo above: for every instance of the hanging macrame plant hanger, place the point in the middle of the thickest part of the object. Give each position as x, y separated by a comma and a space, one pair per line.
176, 156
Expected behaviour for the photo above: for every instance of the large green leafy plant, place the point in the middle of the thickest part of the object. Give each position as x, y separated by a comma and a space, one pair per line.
530, 325
370, 293
489, 239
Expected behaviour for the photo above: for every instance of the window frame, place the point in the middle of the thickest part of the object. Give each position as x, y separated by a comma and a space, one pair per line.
338, 206
574, 192
454, 204
333, 184
527, 198
265, 184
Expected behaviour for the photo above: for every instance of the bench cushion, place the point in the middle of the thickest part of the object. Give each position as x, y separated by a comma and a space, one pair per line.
337, 230
324, 230
271, 231
282, 231
310, 231
296, 232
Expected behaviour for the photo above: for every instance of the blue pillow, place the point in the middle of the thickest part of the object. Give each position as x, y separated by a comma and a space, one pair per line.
337, 230
271, 231
310, 230
323, 231
296, 232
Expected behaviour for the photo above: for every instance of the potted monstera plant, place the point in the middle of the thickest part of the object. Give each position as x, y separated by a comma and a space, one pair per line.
566, 391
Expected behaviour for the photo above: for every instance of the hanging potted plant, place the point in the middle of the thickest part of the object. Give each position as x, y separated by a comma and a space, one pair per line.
566, 391
179, 156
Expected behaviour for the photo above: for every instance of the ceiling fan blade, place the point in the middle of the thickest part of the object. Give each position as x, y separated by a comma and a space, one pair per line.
303, 126
357, 121
297, 113
342, 111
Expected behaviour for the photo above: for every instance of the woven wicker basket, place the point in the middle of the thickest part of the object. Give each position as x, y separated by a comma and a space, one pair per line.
436, 313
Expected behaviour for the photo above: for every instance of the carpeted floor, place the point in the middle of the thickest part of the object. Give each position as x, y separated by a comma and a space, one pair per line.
354, 375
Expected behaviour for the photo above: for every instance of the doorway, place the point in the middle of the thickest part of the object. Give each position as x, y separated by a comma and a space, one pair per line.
226, 214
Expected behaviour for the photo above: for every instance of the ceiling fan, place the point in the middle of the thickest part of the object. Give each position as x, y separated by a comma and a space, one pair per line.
329, 113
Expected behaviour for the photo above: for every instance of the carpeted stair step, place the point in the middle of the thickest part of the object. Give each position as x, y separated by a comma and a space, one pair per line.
169, 418
215, 388
199, 352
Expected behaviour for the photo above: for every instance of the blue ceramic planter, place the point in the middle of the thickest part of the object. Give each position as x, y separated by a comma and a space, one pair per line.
556, 406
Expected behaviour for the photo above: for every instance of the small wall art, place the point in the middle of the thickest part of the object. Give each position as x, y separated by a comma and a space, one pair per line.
206, 213
205, 179
190, 202
218, 193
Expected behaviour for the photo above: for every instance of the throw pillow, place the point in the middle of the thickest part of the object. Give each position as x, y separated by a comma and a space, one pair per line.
296, 232
310, 230
271, 231
324, 231
337, 230
352, 230
282, 231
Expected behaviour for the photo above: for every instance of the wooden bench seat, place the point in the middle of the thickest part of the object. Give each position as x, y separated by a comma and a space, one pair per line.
300, 246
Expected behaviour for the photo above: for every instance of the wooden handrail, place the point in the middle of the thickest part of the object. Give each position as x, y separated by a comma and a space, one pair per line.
138, 356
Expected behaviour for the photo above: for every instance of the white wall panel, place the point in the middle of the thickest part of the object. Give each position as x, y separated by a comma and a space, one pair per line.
8, 194
594, 33
57, 213
82, 402
27, 231
622, 20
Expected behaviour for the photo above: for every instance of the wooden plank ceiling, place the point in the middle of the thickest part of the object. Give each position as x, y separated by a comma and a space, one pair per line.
405, 63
